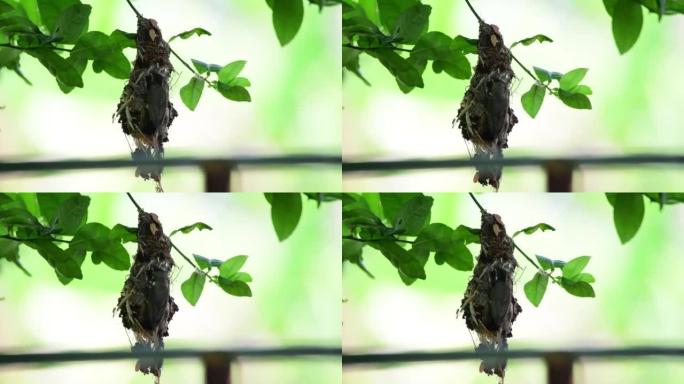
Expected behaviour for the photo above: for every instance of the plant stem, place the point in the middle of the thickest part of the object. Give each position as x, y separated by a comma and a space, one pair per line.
133, 8
8, 237
473, 11
482, 210
376, 48
134, 202
375, 240
8, 45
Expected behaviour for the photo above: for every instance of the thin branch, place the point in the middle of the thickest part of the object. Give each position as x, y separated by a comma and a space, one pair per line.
190, 68
482, 210
8, 237
134, 10
376, 48
392, 238
134, 202
211, 278
474, 13
18, 47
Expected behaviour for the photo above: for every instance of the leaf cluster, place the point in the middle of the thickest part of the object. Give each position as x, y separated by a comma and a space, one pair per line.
569, 90
629, 210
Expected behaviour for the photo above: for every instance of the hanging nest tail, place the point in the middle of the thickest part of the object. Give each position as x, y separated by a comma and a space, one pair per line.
485, 117
488, 305
146, 306
145, 111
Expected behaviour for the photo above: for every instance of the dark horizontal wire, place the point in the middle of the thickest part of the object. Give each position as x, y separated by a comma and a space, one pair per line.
229, 354
410, 357
409, 164
230, 162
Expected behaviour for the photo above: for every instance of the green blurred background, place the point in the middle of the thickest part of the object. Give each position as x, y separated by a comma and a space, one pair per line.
639, 294
636, 101
296, 295
294, 109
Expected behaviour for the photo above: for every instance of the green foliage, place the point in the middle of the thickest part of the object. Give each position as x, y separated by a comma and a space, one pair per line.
288, 16
64, 46
286, 210
569, 90
56, 226
188, 34
539, 227
536, 288
628, 18
629, 210
189, 228
530, 40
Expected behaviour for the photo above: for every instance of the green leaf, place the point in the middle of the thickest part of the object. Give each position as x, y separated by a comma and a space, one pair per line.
58, 258
124, 234
393, 202
544, 262
434, 237
532, 100
286, 210
235, 287
536, 288
50, 10
106, 53
231, 266
586, 277
240, 82
203, 67
573, 268
188, 34
399, 67
574, 100
401, 259
72, 23
59, 67
469, 235
546, 76
583, 89
539, 227
70, 213
628, 20
390, 10
413, 216
234, 92
533, 39
352, 251
95, 237
457, 255
287, 18
412, 23
230, 71
193, 286
628, 213
578, 288
192, 92
202, 262
189, 228
242, 276
572, 79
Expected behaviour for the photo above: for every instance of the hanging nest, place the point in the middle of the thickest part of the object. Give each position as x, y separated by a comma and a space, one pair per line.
488, 305
145, 111
146, 306
485, 117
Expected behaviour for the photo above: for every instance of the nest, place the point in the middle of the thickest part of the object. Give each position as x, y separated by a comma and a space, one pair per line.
485, 117
145, 111
145, 305
488, 306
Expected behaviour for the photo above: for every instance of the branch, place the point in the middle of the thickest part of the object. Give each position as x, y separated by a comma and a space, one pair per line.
376, 48
18, 47
392, 238
134, 10
134, 202
189, 67
474, 13
482, 210
8, 237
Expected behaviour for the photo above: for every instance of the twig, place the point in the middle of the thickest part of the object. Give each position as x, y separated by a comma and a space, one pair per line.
376, 48
190, 68
474, 13
8, 237
134, 10
392, 238
134, 202
482, 210
8, 45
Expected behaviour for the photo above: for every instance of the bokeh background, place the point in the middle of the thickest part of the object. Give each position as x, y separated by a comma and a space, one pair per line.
638, 295
635, 102
295, 102
296, 295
